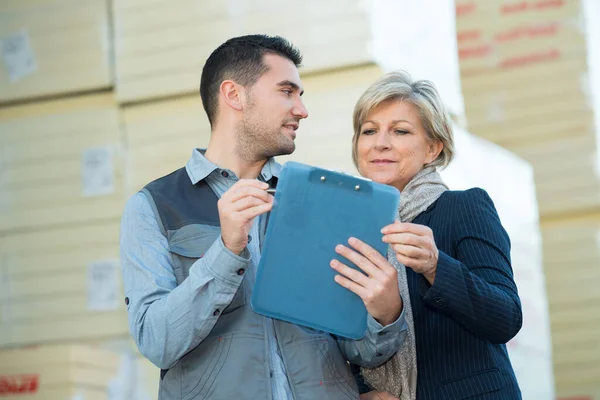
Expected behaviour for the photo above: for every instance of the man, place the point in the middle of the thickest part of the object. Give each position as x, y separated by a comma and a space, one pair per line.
191, 241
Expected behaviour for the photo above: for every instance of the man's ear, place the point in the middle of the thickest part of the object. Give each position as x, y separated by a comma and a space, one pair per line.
231, 94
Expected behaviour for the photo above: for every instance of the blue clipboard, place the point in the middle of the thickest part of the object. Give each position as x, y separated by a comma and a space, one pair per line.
314, 210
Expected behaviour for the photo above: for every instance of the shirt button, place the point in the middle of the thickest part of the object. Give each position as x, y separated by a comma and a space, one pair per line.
225, 174
383, 333
249, 238
241, 271
126, 301
216, 312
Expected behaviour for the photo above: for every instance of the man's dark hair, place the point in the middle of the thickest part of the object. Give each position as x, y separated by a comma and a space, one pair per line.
240, 59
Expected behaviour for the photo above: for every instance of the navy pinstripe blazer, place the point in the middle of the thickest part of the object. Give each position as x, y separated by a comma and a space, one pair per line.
464, 319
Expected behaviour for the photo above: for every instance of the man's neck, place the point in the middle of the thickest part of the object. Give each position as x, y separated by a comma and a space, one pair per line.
222, 154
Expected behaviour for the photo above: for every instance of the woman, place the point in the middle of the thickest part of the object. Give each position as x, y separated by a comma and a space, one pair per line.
462, 304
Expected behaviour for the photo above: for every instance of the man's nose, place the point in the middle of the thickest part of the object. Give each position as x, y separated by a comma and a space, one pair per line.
300, 110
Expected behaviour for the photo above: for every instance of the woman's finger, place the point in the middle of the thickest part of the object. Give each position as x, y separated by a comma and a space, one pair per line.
404, 238
410, 251
406, 227
418, 265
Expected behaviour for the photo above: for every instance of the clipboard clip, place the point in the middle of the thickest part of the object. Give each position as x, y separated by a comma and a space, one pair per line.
347, 181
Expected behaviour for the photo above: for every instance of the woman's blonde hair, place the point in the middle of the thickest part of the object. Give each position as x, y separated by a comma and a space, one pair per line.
422, 94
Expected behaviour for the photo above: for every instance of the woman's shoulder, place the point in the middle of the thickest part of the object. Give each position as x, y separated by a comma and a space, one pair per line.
466, 208
468, 211
465, 200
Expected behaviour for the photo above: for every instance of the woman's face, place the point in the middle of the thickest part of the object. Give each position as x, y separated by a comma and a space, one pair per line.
393, 145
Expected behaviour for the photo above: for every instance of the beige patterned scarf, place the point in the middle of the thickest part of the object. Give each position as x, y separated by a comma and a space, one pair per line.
398, 375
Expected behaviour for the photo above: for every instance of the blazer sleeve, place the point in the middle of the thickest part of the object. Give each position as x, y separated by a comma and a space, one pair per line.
477, 287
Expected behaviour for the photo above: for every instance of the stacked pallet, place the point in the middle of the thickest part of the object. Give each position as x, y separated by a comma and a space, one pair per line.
65, 54
528, 74
161, 136
75, 372
61, 163
524, 71
572, 257
62, 192
160, 47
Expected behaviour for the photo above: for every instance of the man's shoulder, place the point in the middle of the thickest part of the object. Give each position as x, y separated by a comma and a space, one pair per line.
167, 180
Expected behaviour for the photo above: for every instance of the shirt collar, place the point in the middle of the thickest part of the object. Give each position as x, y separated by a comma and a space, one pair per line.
199, 167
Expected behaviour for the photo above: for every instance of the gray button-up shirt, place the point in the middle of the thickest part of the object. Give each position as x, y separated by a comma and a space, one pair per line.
148, 274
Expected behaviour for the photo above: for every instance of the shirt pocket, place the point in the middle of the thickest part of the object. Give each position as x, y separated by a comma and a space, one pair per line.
201, 366
318, 362
189, 244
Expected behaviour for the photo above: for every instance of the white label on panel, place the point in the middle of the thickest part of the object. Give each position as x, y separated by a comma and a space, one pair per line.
102, 290
98, 173
18, 56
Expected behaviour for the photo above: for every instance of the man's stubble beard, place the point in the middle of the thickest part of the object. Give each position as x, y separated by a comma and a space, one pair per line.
254, 140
